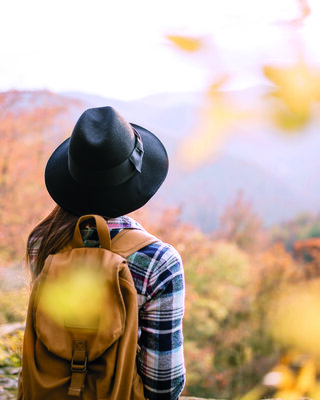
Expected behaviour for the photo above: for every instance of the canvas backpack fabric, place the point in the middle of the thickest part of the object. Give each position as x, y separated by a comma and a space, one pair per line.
88, 354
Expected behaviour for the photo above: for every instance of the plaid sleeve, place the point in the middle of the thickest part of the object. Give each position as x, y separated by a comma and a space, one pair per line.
161, 360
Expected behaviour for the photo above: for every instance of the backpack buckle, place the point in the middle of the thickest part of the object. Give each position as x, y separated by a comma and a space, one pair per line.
79, 366
79, 356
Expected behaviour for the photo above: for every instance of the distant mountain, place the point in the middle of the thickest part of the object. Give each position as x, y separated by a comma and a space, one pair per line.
204, 193
279, 173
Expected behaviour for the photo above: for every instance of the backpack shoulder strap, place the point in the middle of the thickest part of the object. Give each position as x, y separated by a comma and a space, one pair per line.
128, 241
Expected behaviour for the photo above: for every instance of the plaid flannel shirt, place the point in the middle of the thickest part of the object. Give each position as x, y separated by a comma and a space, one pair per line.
158, 276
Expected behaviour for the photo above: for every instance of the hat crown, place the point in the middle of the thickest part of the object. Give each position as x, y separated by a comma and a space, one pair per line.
101, 139
107, 167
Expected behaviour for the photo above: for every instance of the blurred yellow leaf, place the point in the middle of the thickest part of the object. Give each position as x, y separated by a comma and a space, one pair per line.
295, 319
288, 120
189, 44
315, 392
216, 119
253, 394
306, 379
297, 86
292, 379
287, 395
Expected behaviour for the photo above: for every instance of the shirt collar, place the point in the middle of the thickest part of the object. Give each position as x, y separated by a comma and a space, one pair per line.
123, 222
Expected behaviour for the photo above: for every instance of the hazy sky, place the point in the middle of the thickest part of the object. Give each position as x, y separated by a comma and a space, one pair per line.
119, 48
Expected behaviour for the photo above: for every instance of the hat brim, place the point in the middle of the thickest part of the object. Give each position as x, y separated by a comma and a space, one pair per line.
112, 201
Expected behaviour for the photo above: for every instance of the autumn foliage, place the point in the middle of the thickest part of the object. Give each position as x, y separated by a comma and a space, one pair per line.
29, 125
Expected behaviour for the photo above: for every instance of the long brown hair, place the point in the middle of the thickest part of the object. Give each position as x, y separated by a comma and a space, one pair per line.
48, 237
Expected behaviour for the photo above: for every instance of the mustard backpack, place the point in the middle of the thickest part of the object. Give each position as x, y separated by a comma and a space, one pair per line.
82, 322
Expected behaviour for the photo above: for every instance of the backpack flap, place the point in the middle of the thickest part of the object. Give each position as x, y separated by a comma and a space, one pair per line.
78, 287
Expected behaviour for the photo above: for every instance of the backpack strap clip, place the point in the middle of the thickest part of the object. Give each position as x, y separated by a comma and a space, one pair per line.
78, 368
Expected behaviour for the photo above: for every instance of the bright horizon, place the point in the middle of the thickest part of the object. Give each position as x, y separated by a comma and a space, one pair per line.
119, 49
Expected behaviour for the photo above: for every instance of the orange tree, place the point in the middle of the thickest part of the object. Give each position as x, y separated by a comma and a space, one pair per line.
26, 131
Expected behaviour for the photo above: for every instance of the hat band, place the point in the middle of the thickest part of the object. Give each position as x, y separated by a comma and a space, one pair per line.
112, 176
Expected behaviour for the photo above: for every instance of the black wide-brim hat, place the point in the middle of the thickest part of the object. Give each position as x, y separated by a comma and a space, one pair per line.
107, 167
